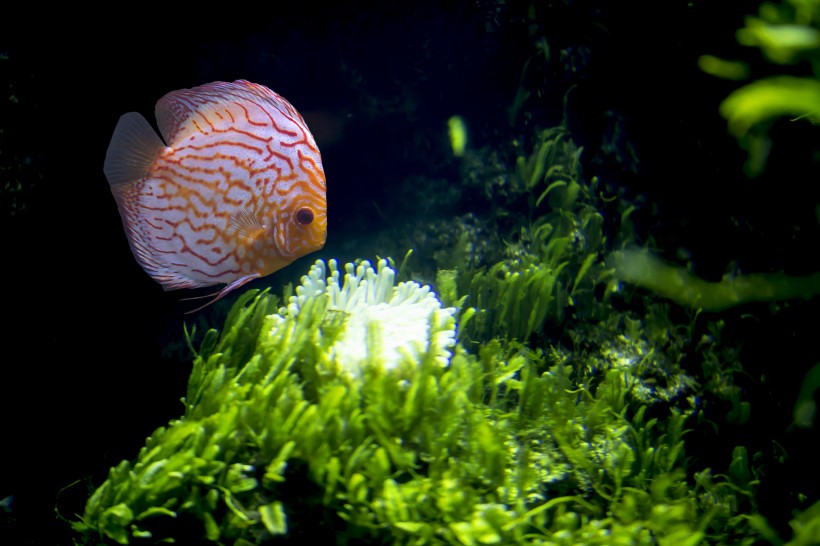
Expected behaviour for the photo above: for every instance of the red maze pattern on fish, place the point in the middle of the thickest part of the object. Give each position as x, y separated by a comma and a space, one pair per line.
252, 155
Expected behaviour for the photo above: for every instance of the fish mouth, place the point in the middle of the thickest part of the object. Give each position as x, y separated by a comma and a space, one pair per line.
319, 236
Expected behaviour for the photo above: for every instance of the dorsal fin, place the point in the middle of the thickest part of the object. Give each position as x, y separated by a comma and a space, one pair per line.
184, 112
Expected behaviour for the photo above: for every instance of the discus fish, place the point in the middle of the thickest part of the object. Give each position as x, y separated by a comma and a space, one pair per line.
237, 193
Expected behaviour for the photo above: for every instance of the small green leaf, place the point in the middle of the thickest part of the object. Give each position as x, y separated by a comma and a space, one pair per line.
274, 518
211, 527
156, 511
583, 270
115, 520
463, 532
237, 479
357, 488
276, 469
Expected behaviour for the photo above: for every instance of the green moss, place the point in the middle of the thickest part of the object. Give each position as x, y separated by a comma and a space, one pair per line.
501, 446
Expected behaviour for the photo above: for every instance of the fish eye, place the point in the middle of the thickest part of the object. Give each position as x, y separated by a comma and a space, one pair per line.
304, 216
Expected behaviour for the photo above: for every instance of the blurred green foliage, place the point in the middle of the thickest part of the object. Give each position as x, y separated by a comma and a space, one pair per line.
788, 34
641, 268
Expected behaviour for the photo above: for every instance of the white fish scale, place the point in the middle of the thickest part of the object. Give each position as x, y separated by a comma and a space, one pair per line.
176, 234
216, 161
237, 196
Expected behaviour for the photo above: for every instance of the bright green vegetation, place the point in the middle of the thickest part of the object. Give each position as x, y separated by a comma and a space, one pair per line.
505, 446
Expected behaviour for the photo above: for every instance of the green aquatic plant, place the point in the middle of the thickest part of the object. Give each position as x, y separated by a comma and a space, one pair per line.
555, 159
641, 268
805, 408
805, 528
552, 253
513, 303
787, 34
351, 414
281, 385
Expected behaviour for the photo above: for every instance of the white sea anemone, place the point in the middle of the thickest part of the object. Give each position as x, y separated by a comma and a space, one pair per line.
382, 323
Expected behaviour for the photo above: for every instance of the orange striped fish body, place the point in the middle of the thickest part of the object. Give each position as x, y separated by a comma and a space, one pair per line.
237, 193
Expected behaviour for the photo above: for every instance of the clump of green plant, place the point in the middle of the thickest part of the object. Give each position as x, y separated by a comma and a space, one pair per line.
514, 302
286, 438
552, 256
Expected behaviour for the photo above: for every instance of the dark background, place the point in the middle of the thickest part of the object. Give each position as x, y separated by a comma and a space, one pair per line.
93, 359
